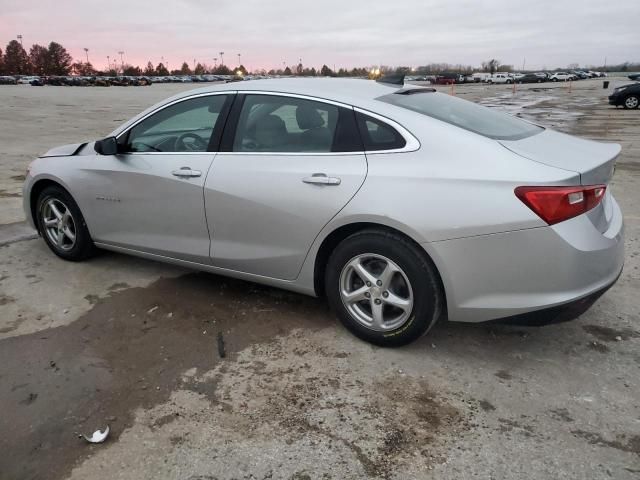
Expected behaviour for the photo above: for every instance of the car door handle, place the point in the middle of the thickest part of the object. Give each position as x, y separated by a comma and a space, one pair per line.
321, 179
186, 172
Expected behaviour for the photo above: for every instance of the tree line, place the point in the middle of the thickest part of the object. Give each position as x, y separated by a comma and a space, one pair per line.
54, 59
51, 60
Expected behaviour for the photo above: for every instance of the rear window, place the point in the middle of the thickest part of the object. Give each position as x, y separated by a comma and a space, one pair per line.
464, 114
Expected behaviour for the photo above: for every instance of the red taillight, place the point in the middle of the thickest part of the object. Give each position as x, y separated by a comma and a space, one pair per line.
557, 204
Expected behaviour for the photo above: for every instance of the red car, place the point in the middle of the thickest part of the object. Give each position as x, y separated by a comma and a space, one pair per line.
445, 79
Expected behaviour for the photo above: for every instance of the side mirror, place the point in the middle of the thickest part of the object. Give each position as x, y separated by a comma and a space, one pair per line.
106, 146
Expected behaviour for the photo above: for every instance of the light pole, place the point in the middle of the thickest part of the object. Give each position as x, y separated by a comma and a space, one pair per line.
121, 53
86, 51
108, 63
222, 59
215, 63
20, 38
239, 62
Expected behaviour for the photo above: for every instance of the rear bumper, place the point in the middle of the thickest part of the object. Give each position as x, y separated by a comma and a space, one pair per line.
490, 277
561, 313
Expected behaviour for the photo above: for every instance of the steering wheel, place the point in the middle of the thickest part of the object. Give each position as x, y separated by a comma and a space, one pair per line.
197, 144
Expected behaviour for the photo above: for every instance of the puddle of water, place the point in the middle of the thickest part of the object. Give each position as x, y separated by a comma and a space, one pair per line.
129, 351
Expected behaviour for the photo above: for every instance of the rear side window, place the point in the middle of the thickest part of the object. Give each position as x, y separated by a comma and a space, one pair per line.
464, 114
378, 135
271, 123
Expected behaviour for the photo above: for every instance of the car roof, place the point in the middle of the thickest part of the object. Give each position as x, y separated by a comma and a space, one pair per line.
354, 92
350, 91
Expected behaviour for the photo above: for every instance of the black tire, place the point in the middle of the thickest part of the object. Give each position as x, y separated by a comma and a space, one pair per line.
82, 247
554, 79
428, 299
630, 101
509, 82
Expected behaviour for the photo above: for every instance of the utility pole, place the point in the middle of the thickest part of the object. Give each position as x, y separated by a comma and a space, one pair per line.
108, 63
215, 62
222, 59
523, 61
121, 53
86, 51
194, 65
20, 38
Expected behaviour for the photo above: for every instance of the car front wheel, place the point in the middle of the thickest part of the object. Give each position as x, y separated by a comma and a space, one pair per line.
383, 288
62, 225
631, 101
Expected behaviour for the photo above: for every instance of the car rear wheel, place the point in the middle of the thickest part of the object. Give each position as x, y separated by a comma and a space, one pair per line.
631, 101
62, 225
383, 288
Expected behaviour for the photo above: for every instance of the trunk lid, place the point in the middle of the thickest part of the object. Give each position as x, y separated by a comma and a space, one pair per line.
594, 161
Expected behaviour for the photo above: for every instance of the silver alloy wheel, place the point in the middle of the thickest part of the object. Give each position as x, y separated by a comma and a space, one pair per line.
631, 102
376, 292
59, 225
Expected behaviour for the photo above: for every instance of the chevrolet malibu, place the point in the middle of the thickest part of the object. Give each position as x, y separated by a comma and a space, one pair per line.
399, 204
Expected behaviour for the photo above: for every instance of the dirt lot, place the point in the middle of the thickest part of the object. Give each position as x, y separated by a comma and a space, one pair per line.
135, 344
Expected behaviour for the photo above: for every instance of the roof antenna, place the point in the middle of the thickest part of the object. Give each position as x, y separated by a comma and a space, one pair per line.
392, 79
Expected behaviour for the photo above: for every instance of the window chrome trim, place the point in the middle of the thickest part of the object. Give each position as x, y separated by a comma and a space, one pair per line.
295, 95
412, 143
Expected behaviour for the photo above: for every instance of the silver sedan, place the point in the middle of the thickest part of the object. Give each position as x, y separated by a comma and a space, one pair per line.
399, 204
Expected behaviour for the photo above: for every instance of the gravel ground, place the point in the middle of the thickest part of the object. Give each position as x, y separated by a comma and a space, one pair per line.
136, 345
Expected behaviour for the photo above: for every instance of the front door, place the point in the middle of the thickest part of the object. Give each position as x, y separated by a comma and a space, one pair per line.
150, 196
291, 165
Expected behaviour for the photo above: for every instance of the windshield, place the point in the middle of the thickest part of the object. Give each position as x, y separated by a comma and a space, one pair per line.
464, 114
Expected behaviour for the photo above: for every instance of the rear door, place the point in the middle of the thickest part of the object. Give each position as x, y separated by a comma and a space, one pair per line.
287, 165
149, 197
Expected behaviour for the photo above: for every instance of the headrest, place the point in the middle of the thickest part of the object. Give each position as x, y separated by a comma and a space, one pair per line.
270, 131
308, 117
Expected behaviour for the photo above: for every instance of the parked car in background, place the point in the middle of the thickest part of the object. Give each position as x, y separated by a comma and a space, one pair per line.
500, 78
634, 76
561, 77
8, 80
335, 188
627, 96
26, 80
530, 78
446, 79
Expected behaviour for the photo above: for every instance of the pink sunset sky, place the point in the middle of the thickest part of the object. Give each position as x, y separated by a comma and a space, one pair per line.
542, 33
